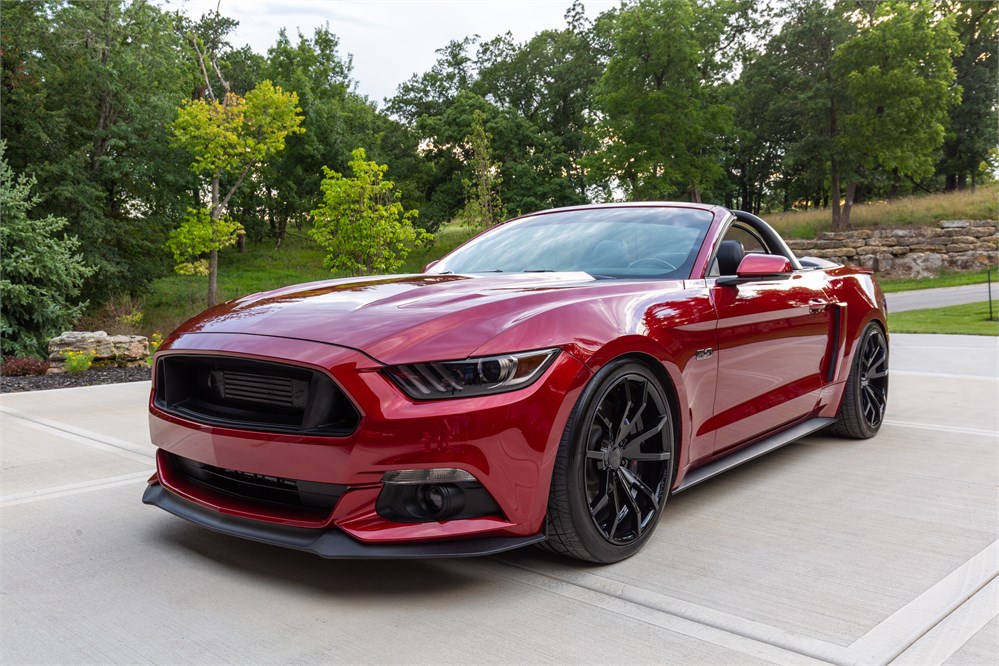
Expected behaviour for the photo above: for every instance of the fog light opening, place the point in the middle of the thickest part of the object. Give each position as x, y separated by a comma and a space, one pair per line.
441, 501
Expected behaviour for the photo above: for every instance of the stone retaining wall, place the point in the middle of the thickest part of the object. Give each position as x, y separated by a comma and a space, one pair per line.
953, 245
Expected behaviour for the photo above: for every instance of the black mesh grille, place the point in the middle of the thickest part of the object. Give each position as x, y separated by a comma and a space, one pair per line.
306, 496
253, 395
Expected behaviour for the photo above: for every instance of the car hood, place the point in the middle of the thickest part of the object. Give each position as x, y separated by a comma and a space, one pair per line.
405, 318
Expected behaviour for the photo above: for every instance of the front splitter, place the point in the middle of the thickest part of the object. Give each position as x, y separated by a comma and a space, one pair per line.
332, 543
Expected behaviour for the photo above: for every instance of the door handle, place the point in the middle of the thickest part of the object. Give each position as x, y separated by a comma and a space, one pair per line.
817, 305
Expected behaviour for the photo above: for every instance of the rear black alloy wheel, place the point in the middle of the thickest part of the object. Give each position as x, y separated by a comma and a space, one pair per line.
865, 398
614, 467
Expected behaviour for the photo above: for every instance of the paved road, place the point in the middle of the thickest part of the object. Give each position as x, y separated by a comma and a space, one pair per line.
825, 551
921, 299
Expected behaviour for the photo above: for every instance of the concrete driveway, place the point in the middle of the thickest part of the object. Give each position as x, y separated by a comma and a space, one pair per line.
824, 551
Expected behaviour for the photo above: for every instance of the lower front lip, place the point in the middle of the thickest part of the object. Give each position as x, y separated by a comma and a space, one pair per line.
328, 543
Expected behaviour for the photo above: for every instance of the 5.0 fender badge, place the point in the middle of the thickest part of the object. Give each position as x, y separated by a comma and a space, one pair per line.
702, 354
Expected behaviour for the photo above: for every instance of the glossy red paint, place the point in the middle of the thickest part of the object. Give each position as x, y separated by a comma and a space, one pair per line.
737, 361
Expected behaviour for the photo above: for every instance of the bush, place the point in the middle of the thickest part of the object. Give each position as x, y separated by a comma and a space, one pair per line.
40, 272
23, 366
78, 362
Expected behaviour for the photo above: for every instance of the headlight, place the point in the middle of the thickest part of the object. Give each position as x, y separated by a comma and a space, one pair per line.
474, 376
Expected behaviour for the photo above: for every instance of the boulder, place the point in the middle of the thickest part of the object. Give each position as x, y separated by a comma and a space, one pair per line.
119, 350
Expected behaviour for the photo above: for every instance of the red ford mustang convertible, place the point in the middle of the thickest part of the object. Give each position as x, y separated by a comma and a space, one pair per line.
552, 381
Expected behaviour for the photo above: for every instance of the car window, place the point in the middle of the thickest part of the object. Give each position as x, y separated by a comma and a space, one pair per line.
750, 241
605, 242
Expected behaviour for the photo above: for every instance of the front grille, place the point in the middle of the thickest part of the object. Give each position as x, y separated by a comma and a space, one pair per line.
283, 391
253, 395
304, 496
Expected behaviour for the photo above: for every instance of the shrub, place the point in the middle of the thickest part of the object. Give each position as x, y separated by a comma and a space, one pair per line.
23, 366
154, 344
40, 270
78, 362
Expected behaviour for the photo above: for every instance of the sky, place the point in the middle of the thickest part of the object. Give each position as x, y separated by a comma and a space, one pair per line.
390, 39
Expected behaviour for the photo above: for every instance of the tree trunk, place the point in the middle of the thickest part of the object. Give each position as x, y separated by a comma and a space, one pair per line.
213, 254
695, 194
851, 189
213, 277
837, 220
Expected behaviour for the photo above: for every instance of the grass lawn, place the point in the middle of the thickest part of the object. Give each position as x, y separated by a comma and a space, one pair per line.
945, 280
970, 319
982, 204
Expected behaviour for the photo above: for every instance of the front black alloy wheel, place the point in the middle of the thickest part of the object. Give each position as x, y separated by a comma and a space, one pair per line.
865, 398
614, 466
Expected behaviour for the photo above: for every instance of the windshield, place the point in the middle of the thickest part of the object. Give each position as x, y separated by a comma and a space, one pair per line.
604, 242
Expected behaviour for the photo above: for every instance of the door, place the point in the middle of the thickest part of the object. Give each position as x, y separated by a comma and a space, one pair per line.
772, 343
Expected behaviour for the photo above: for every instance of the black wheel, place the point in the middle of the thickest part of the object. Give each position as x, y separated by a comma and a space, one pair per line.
614, 467
866, 395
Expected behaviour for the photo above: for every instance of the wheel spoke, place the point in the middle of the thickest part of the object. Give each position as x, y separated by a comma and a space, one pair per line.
598, 454
604, 492
607, 424
638, 483
632, 449
619, 510
623, 480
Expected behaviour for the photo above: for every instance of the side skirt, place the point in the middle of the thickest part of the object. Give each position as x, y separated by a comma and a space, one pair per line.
753, 451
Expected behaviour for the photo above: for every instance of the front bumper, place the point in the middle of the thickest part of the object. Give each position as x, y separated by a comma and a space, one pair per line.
328, 543
507, 442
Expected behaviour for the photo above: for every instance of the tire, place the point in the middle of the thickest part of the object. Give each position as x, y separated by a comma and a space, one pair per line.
865, 397
614, 466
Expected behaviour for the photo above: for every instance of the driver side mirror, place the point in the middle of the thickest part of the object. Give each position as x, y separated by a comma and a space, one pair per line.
759, 267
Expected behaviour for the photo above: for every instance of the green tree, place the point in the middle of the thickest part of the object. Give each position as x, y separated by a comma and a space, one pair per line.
40, 269
228, 136
897, 78
547, 83
88, 91
661, 122
483, 205
361, 223
971, 132
314, 70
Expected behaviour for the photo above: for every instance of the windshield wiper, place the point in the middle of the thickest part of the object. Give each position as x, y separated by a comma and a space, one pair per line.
539, 270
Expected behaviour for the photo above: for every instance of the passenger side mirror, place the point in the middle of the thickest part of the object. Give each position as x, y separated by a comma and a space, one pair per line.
758, 267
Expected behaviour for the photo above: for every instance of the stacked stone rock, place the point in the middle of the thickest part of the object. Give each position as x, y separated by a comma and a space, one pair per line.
953, 245
123, 351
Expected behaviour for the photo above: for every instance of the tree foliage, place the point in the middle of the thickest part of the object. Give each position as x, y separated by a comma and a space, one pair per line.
361, 223
483, 205
230, 136
88, 91
41, 271
703, 99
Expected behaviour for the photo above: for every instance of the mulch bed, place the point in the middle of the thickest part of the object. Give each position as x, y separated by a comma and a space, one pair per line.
91, 377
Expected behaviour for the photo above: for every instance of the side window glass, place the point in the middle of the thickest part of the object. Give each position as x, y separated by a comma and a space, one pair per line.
750, 242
